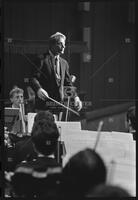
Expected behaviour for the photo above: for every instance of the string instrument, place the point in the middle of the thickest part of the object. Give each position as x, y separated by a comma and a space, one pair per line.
23, 119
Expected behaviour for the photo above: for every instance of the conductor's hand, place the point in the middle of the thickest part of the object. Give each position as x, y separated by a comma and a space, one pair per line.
78, 103
42, 94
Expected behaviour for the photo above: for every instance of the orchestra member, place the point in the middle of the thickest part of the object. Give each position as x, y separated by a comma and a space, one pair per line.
17, 99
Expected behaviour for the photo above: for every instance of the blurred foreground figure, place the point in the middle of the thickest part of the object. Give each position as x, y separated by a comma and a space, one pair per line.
109, 191
83, 171
39, 177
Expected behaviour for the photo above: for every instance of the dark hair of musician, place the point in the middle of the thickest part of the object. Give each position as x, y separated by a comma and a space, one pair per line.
103, 190
47, 115
84, 170
44, 136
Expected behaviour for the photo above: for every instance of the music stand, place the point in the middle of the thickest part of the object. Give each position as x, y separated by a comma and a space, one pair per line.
10, 116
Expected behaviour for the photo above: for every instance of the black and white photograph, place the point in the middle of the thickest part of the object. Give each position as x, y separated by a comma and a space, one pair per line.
69, 99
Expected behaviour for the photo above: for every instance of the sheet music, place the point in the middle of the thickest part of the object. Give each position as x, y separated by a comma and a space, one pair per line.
108, 147
117, 146
64, 125
112, 146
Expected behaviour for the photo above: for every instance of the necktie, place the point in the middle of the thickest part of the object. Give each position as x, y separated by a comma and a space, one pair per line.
57, 68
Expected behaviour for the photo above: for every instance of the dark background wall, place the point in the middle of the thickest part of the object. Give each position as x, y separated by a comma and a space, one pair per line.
113, 53
108, 78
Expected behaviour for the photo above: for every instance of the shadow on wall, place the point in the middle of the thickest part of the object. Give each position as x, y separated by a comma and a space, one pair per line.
114, 118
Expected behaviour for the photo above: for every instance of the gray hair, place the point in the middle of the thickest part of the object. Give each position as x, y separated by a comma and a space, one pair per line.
55, 38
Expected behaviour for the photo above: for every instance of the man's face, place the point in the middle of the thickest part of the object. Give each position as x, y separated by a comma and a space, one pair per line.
59, 47
17, 99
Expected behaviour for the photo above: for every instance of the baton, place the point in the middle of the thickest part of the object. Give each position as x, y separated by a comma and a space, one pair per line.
63, 105
98, 134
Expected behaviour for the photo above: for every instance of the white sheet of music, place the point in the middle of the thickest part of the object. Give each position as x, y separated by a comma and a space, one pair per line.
116, 146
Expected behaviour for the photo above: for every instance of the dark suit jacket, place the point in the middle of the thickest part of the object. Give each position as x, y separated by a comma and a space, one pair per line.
44, 76
34, 182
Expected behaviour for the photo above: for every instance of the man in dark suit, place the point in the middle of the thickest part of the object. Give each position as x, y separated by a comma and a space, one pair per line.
52, 75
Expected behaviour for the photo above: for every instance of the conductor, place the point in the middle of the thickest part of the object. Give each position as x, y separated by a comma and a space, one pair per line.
52, 75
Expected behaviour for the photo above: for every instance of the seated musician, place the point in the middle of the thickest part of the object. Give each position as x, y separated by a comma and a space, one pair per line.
14, 132
83, 171
131, 121
16, 96
33, 177
17, 100
24, 149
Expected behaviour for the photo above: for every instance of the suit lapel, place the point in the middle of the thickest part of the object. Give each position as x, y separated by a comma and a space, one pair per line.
49, 64
51, 67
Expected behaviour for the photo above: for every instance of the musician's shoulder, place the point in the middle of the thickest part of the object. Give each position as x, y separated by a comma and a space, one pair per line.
40, 56
63, 60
